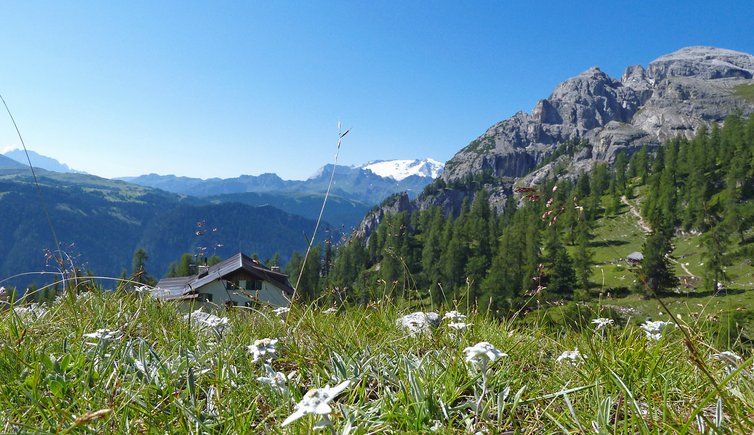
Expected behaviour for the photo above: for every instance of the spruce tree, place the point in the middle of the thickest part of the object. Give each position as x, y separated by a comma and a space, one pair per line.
138, 269
561, 277
582, 259
656, 272
716, 242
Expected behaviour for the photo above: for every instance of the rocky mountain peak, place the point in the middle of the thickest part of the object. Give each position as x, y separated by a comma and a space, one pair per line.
703, 62
674, 95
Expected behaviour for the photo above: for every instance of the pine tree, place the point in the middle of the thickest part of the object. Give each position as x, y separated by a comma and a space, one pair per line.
716, 242
561, 277
309, 285
478, 233
582, 259
138, 268
656, 272
502, 287
619, 171
432, 227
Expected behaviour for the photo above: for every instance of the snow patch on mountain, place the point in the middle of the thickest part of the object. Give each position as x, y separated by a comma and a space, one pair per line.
401, 169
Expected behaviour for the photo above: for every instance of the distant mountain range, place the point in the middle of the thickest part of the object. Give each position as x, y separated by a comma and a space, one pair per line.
101, 222
356, 189
369, 183
8, 163
39, 161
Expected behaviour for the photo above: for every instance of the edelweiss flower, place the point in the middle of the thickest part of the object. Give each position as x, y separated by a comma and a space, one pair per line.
276, 380
654, 329
263, 348
454, 316
572, 356
459, 326
104, 335
207, 321
31, 312
482, 354
316, 401
602, 323
281, 311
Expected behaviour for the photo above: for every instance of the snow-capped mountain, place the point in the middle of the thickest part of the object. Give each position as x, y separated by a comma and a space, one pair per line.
369, 183
401, 169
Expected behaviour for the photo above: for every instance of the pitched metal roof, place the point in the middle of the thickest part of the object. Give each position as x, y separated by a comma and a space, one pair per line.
173, 287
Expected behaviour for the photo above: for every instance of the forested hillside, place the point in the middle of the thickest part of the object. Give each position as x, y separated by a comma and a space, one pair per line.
101, 223
542, 245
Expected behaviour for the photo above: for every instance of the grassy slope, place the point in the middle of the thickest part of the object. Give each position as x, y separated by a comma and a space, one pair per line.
162, 375
617, 236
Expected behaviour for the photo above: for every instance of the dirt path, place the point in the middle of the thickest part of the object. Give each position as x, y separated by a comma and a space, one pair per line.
646, 229
683, 266
636, 213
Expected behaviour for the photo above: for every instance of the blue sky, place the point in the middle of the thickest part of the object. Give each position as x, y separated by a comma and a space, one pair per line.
220, 89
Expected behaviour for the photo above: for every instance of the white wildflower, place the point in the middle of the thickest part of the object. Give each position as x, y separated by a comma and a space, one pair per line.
482, 353
316, 401
572, 356
206, 321
602, 323
331, 310
276, 380
263, 349
459, 326
281, 311
454, 316
654, 329
104, 335
30, 312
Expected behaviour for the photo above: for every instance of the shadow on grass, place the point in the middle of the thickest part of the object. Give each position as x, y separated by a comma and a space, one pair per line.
703, 293
607, 243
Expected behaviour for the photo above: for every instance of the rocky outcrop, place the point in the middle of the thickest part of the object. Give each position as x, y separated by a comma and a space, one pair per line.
674, 95
419, 322
397, 203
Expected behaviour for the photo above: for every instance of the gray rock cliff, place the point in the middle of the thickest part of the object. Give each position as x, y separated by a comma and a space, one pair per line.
674, 95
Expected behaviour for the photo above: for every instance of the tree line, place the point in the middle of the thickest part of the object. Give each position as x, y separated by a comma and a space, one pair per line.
541, 244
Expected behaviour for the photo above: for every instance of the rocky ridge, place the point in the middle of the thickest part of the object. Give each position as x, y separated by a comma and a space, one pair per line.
675, 95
